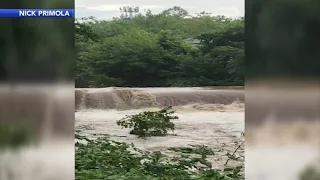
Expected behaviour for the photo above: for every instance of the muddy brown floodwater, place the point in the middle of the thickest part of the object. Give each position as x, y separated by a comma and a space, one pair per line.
210, 116
207, 116
282, 129
218, 130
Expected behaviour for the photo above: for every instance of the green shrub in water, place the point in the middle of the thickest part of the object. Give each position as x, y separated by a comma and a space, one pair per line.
150, 123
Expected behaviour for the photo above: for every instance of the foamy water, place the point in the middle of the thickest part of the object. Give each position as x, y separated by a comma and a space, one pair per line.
279, 162
204, 121
282, 129
281, 151
207, 116
218, 130
49, 161
140, 98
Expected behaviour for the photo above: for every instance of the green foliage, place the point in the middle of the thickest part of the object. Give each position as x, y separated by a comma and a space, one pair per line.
84, 33
202, 150
157, 50
149, 123
110, 160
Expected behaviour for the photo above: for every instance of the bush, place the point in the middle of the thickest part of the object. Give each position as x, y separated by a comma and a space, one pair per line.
106, 159
194, 149
149, 123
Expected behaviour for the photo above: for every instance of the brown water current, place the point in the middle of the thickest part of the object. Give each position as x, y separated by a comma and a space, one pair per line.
207, 116
138, 98
50, 110
211, 116
282, 129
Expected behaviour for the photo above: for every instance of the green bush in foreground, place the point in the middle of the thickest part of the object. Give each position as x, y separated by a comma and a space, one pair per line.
149, 123
104, 159
202, 150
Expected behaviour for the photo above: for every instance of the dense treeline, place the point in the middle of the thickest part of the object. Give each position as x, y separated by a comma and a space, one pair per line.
157, 50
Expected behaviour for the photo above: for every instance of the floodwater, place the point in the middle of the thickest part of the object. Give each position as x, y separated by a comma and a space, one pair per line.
281, 152
210, 116
214, 117
207, 116
222, 131
282, 130
280, 162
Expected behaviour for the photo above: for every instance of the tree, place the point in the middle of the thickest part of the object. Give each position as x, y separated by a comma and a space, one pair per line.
176, 11
151, 50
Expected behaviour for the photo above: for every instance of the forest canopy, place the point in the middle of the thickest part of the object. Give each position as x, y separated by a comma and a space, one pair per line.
167, 49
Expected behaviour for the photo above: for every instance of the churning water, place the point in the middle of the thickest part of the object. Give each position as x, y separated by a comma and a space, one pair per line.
210, 116
207, 116
218, 130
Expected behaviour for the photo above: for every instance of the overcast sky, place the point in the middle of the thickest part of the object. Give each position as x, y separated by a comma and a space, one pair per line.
106, 9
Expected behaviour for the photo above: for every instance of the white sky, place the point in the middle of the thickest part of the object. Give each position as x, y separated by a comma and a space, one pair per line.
106, 9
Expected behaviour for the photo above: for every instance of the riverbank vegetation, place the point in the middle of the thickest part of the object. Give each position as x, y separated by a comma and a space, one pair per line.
104, 158
171, 48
